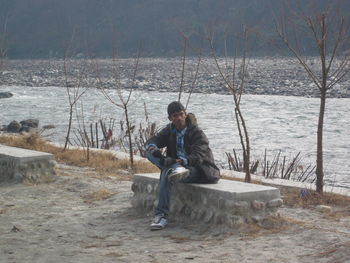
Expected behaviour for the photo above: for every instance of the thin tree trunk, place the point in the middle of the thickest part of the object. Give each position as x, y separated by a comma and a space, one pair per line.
131, 152
319, 154
247, 161
92, 136
69, 127
319, 159
96, 128
245, 145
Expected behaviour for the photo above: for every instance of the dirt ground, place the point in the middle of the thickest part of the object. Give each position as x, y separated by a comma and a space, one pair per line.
81, 217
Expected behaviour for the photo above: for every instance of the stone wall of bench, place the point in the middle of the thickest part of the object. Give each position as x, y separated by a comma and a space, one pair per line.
228, 202
19, 165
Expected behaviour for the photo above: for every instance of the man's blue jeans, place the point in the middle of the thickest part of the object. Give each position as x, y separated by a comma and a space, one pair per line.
165, 186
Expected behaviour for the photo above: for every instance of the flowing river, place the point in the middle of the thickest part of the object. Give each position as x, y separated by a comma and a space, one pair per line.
286, 123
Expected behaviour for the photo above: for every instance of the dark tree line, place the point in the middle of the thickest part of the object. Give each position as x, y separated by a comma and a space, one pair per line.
43, 28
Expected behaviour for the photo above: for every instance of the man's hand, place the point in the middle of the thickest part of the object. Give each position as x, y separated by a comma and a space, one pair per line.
167, 161
151, 148
157, 153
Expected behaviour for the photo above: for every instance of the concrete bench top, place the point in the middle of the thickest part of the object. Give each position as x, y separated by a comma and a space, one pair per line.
229, 189
9, 152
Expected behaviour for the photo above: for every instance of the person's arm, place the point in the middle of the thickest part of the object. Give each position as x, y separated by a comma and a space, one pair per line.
159, 140
198, 149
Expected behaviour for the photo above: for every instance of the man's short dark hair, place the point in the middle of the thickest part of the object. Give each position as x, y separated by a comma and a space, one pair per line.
175, 106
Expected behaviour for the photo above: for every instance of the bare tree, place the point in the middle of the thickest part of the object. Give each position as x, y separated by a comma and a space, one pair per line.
323, 21
194, 73
120, 100
75, 72
234, 77
3, 40
194, 76
183, 66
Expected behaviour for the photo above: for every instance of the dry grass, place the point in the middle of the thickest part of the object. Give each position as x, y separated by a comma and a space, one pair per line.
115, 254
292, 197
99, 195
338, 214
3, 210
102, 162
268, 226
106, 164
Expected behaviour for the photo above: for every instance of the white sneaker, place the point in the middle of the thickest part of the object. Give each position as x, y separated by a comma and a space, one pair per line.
159, 223
178, 174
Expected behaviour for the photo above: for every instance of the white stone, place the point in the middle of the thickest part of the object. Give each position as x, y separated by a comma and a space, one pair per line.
258, 205
275, 203
324, 209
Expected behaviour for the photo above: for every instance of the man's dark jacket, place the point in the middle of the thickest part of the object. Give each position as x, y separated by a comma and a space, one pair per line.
198, 153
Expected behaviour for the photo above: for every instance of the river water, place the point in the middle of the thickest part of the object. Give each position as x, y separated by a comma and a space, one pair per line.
285, 123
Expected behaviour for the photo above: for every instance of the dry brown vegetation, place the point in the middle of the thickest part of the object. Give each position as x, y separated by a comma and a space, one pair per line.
269, 226
102, 162
101, 194
293, 197
105, 163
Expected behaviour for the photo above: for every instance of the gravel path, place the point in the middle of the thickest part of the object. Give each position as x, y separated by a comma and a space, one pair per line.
69, 221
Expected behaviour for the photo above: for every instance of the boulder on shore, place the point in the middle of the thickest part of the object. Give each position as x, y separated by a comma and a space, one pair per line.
14, 126
5, 95
50, 126
29, 125
33, 123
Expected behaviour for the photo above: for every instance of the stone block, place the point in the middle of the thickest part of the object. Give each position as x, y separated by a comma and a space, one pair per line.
324, 208
228, 202
26, 166
258, 205
275, 203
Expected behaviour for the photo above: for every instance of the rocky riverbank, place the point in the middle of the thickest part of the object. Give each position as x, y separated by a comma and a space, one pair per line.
29, 125
267, 76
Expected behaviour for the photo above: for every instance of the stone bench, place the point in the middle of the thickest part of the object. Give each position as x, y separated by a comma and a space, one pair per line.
227, 202
25, 166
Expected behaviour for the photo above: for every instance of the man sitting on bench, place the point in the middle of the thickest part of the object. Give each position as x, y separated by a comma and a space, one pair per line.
188, 158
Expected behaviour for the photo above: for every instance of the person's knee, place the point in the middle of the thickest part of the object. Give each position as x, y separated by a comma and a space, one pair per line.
149, 156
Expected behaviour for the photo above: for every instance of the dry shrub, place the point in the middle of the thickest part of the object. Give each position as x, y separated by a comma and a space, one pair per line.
103, 162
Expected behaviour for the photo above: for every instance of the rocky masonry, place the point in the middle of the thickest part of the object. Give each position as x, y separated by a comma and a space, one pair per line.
228, 202
26, 166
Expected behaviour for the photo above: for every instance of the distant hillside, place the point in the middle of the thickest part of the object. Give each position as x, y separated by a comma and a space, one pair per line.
45, 28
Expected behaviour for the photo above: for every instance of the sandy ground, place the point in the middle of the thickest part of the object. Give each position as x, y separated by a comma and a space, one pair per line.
69, 221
